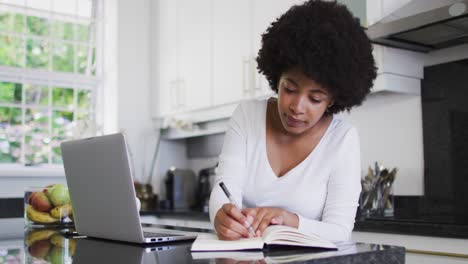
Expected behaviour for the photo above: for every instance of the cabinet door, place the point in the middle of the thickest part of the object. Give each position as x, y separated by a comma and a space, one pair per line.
166, 102
231, 49
194, 43
265, 12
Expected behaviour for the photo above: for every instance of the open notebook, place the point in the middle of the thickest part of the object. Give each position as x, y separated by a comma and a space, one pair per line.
273, 235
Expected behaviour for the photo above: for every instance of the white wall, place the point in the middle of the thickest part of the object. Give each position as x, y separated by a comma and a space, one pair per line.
390, 130
134, 79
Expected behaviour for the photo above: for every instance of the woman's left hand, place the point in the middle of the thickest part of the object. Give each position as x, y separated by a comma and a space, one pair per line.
265, 216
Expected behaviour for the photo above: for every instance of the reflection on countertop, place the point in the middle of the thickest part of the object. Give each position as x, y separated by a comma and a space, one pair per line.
53, 246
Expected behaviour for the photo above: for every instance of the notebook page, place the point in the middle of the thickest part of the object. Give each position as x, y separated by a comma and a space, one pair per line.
210, 242
285, 235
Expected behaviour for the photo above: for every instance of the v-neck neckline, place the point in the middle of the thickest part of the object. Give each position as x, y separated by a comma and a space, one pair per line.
300, 164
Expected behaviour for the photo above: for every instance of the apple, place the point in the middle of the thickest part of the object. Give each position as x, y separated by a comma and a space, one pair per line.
39, 249
40, 202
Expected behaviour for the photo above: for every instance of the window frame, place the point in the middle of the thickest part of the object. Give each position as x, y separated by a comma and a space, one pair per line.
50, 79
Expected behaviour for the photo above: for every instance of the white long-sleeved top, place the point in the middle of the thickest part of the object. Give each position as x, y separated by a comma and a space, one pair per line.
323, 190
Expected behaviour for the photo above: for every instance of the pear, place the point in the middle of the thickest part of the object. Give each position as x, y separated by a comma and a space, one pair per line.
57, 255
58, 194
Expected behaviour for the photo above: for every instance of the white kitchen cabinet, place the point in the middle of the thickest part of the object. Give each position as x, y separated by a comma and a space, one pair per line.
207, 49
194, 20
264, 13
238, 26
231, 50
184, 55
166, 19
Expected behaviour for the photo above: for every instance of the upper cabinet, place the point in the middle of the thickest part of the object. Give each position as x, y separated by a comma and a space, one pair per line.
166, 57
183, 61
231, 50
264, 13
206, 51
194, 53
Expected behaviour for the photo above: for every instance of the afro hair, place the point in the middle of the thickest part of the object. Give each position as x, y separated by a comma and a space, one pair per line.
326, 42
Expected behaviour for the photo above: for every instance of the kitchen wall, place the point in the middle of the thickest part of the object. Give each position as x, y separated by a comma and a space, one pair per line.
134, 79
390, 129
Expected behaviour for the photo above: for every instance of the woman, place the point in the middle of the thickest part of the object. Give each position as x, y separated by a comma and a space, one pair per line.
288, 160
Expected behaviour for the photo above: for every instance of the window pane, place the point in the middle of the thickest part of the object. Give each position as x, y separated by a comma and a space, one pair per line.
11, 51
62, 30
36, 149
62, 123
36, 121
11, 22
62, 97
10, 148
10, 116
56, 151
36, 136
37, 26
36, 95
10, 92
10, 135
37, 53
84, 99
82, 59
63, 57
82, 32
82, 115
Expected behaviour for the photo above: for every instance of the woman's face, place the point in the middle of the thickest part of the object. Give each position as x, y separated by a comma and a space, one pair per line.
301, 101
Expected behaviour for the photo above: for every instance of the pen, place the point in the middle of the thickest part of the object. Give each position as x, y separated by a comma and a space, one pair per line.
228, 194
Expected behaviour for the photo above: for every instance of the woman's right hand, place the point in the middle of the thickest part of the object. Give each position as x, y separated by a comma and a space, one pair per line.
231, 224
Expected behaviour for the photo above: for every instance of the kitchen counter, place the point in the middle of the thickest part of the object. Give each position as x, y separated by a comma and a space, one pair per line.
414, 220
26, 246
393, 225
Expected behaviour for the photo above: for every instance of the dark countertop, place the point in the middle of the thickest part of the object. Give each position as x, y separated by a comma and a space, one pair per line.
428, 226
415, 216
28, 246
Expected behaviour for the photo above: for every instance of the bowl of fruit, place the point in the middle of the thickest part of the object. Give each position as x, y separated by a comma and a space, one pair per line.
46, 245
48, 206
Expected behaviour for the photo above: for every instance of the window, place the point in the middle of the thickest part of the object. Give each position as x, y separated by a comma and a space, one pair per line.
49, 76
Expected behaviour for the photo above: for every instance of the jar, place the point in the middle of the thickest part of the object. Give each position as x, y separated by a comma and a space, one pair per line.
47, 206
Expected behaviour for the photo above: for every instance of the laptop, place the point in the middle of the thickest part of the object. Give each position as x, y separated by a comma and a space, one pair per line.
101, 189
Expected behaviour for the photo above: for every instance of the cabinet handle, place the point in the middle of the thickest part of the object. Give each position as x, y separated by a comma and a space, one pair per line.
245, 82
173, 87
182, 93
255, 82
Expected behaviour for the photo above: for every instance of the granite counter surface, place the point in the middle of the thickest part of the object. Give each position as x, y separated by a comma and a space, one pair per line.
420, 227
51, 246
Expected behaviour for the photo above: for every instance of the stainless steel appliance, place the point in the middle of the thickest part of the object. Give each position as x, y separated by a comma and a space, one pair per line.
181, 188
205, 184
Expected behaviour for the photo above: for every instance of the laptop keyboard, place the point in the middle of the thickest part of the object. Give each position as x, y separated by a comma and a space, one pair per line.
153, 234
